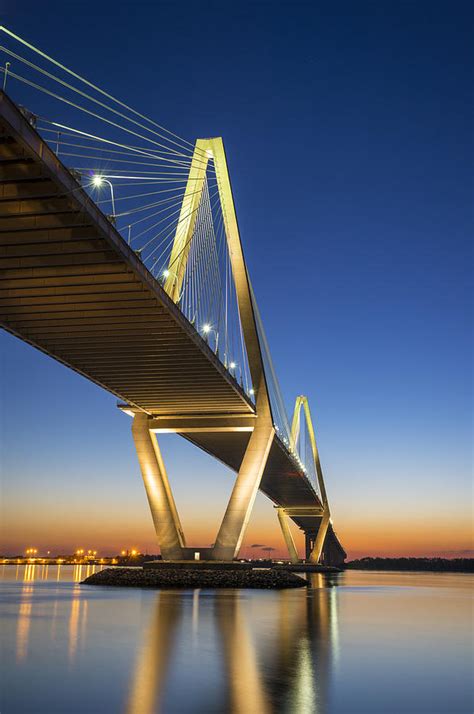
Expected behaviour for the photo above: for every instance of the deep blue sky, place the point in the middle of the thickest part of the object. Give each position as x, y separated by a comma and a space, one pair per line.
348, 133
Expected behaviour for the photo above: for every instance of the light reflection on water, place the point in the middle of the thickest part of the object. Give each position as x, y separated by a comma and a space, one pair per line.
356, 642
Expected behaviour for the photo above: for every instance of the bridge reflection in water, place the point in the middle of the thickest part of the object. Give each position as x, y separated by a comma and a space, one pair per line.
261, 670
354, 647
202, 651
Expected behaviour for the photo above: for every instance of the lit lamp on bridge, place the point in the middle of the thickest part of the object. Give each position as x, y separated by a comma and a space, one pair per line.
207, 329
232, 367
167, 278
97, 182
166, 274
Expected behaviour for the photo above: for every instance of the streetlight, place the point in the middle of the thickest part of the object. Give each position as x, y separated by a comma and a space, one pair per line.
167, 273
97, 182
233, 367
207, 329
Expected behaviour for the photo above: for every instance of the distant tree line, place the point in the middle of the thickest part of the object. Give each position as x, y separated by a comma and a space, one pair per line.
455, 565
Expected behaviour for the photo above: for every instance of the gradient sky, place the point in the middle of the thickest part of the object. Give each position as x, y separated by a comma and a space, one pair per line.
348, 134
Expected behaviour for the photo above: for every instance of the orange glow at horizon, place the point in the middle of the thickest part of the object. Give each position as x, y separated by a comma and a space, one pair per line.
108, 532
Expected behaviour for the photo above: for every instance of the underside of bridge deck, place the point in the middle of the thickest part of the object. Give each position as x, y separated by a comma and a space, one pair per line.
72, 287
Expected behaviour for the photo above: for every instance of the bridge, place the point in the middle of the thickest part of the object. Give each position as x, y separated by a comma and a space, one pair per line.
157, 309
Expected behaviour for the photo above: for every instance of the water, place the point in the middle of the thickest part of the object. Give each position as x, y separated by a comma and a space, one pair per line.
356, 642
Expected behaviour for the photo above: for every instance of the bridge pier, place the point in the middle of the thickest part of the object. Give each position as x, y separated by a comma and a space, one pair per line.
160, 498
290, 543
315, 537
321, 544
163, 508
309, 538
328, 546
319, 539
237, 515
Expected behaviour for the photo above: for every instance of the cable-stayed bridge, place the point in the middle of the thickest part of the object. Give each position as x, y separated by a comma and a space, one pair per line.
121, 258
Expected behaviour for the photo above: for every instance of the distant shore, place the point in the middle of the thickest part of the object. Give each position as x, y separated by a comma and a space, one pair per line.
439, 565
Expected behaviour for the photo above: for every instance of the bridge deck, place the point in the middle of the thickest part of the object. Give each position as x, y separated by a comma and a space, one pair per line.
73, 288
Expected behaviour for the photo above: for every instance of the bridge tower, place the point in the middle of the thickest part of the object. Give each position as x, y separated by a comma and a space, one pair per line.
165, 516
239, 508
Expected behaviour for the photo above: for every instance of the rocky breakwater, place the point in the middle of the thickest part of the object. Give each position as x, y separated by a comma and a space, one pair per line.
192, 578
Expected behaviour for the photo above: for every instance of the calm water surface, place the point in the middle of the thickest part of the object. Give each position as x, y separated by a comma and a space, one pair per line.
358, 642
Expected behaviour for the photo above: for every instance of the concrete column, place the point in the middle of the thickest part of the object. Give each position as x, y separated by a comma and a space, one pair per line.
163, 508
287, 535
245, 489
320, 538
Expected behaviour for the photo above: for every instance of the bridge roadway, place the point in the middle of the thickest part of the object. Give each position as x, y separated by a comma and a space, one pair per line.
72, 287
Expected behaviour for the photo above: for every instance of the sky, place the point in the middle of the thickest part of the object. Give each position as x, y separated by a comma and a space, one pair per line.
348, 131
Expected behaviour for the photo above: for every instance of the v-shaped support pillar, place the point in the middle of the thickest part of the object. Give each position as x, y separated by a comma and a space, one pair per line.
251, 470
160, 498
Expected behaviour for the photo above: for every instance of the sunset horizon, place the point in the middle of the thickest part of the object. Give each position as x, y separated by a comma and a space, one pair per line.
236, 357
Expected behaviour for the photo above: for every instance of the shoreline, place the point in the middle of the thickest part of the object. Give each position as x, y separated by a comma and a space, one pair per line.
414, 565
